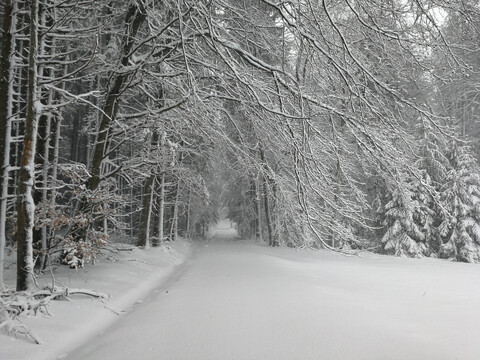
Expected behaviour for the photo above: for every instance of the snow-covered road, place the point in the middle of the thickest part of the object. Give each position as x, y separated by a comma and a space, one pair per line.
239, 300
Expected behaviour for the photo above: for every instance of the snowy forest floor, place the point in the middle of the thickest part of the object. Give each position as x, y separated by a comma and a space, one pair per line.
126, 276
237, 300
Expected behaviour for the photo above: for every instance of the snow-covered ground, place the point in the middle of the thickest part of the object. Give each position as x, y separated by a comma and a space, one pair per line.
235, 299
127, 276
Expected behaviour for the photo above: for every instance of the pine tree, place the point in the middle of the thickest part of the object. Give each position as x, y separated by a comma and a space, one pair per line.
409, 217
413, 213
460, 228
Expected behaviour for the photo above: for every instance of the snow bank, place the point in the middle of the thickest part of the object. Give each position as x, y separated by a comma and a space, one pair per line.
128, 277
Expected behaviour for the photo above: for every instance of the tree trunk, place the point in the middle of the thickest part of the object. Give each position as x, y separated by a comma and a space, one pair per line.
75, 139
273, 211
20, 86
267, 211
145, 219
6, 77
269, 202
255, 193
161, 210
25, 203
42, 155
187, 214
134, 19
53, 159
147, 202
174, 214
41, 194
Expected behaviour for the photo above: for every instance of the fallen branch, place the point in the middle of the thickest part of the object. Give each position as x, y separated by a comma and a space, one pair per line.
57, 292
13, 305
16, 328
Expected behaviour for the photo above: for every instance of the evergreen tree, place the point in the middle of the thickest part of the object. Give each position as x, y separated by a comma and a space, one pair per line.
409, 217
413, 212
460, 228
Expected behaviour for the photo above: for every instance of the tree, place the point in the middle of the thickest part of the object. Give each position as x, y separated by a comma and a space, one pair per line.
455, 78
410, 218
6, 70
25, 203
147, 201
305, 101
460, 228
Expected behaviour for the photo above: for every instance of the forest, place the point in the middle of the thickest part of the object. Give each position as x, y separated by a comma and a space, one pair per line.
349, 125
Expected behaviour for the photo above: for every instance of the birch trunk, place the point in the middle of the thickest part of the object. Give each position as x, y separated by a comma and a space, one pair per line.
25, 203
6, 80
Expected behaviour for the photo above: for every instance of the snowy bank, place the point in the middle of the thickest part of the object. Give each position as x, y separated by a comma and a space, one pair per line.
127, 277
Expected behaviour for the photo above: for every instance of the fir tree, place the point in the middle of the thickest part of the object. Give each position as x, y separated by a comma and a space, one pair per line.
409, 217
411, 214
460, 228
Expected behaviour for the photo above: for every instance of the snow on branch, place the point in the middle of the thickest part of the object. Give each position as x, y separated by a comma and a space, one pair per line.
14, 305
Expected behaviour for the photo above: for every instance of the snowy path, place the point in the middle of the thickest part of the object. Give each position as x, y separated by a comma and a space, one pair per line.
239, 300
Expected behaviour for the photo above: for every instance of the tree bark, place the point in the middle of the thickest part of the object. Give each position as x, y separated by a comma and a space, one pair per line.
25, 203
161, 210
40, 195
174, 212
145, 219
269, 202
188, 214
6, 72
267, 212
147, 201
43, 146
255, 194
55, 128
